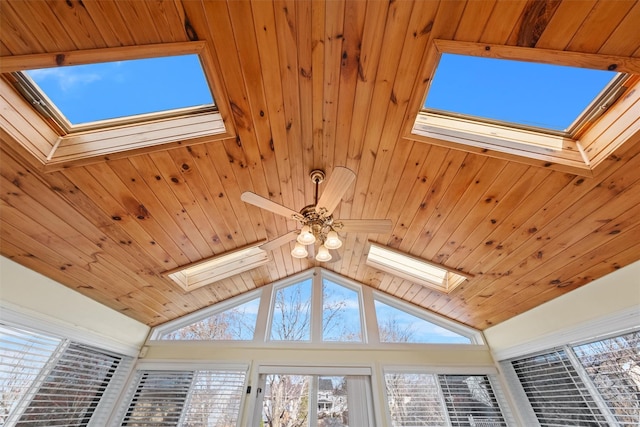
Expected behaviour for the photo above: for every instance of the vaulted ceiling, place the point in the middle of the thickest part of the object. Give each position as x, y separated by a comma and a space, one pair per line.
318, 84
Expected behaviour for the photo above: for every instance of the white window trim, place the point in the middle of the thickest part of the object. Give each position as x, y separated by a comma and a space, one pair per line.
615, 324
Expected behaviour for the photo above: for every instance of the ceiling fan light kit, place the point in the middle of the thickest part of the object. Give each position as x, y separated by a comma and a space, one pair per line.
318, 224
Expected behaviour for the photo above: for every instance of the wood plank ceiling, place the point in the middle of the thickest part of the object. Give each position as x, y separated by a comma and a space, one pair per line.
315, 84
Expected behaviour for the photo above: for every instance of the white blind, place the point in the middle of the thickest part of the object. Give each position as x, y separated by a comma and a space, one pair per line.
23, 354
48, 381
414, 400
614, 368
442, 400
557, 394
470, 401
185, 398
72, 389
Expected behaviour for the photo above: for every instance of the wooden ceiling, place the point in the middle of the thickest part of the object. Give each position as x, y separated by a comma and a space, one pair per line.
315, 84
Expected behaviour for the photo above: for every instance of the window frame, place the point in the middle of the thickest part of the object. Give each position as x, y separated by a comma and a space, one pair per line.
56, 148
580, 153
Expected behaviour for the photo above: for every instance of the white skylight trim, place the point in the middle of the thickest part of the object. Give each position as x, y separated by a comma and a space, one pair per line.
219, 267
411, 268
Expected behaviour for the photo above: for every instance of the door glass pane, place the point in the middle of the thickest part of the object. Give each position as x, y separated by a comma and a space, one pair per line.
315, 401
332, 402
286, 401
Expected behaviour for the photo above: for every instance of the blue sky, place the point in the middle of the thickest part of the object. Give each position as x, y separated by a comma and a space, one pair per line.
86, 93
541, 95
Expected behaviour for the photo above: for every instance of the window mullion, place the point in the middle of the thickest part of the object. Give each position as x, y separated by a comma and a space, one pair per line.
591, 388
317, 302
37, 383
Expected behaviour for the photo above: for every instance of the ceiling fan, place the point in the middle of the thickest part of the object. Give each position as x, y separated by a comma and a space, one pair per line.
317, 221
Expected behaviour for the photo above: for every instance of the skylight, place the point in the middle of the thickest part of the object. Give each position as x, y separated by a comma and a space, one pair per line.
83, 94
411, 268
550, 97
218, 267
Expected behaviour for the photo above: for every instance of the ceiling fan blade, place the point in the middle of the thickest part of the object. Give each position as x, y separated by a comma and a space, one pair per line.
279, 241
337, 184
264, 203
372, 226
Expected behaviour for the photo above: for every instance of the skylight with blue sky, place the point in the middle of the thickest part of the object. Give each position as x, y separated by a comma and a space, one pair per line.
525, 93
121, 89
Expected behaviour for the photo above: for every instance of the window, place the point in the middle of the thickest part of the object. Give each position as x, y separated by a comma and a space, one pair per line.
46, 380
341, 320
553, 109
236, 323
315, 307
218, 267
529, 94
78, 95
137, 98
420, 399
398, 326
613, 365
187, 398
417, 270
291, 313
591, 384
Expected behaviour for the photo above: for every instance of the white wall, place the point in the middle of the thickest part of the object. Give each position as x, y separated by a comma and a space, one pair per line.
603, 306
26, 295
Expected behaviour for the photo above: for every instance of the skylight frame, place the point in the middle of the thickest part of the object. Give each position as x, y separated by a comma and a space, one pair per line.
213, 269
590, 143
57, 148
417, 270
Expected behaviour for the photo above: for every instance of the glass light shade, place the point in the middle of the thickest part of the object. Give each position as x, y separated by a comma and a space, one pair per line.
306, 237
299, 251
332, 241
323, 254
